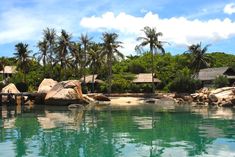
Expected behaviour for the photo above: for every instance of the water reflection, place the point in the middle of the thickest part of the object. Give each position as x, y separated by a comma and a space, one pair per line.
115, 131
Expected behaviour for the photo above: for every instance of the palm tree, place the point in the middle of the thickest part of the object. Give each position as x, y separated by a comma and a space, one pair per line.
110, 48
43, 49
76, 57
2, 67
95, 60
49, 35
151, 39
85, 41
63, 49
199, 58
22, 56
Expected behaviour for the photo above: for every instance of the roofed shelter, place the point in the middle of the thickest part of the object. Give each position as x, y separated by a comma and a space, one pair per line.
88, 79
8, 71
145, 78
207, 76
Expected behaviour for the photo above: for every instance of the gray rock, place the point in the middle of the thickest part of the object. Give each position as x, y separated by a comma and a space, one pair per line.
66, 93
46, 85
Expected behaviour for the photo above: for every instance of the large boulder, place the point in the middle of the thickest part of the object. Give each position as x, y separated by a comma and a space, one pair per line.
11, 88
222, 96
101, 97
65, 93
222, 93
46, 85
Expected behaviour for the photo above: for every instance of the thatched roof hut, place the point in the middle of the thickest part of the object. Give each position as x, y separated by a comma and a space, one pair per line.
210, 74
145, 78
8, 70
88, 79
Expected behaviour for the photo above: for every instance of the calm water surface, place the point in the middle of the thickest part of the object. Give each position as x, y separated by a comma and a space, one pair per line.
143, 131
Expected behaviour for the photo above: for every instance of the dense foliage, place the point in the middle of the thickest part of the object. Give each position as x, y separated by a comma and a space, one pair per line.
221, 81
60, 58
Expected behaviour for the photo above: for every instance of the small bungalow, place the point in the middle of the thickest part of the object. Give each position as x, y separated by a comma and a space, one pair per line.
207, 76
8, 71
88, 82
145, 78
88, 79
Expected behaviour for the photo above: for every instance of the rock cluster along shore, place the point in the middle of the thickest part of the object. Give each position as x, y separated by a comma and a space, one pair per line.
70, 92
221, 97
51, 92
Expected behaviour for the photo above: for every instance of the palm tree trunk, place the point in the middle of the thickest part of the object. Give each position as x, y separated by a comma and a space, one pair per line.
152, 68
84, 66
44, 64
93, 82
24, 77
110, 73
93, 79
3, 74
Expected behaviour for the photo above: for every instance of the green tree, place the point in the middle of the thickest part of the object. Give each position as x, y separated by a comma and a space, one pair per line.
63, 50
85, 41
199, 58
77, 58
183, 82
151, 39
110, 48
49, 36
22, 56
2, 67
95, 60
221, 81
43, 52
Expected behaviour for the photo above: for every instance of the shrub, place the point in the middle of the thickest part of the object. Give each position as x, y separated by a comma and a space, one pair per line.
21, 86
221, 81
84, 88
102, 87
120, 85
184, 83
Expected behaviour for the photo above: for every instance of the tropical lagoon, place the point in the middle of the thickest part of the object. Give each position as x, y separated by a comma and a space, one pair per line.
147, 130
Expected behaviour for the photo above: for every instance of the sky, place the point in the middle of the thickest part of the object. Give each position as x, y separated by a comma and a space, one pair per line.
182, 22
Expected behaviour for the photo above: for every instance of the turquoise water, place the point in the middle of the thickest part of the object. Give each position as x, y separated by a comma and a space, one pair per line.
144, 131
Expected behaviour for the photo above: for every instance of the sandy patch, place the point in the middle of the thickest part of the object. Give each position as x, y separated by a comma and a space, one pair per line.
126, 101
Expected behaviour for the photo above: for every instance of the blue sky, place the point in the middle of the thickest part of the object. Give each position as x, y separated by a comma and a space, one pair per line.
182, 22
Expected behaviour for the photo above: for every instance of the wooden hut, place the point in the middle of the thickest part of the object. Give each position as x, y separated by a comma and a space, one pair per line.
88, 79
89, 82
145, 78
8, 71
207, 76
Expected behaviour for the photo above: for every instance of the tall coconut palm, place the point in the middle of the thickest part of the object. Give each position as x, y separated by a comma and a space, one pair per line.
199, 58
22, 57
49, 37
63, 49
3, 63
2, 67
42, 54
110, 48
85, 41
76, 57
95, 60
151, 39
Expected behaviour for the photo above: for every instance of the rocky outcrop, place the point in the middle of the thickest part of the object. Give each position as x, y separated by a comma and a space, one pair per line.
219, 97
222, 97
65, 93
46, 85
11, 88
101, 97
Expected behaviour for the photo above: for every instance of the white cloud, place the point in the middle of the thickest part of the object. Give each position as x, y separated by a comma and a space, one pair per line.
176, 30
18, 24
229, 8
